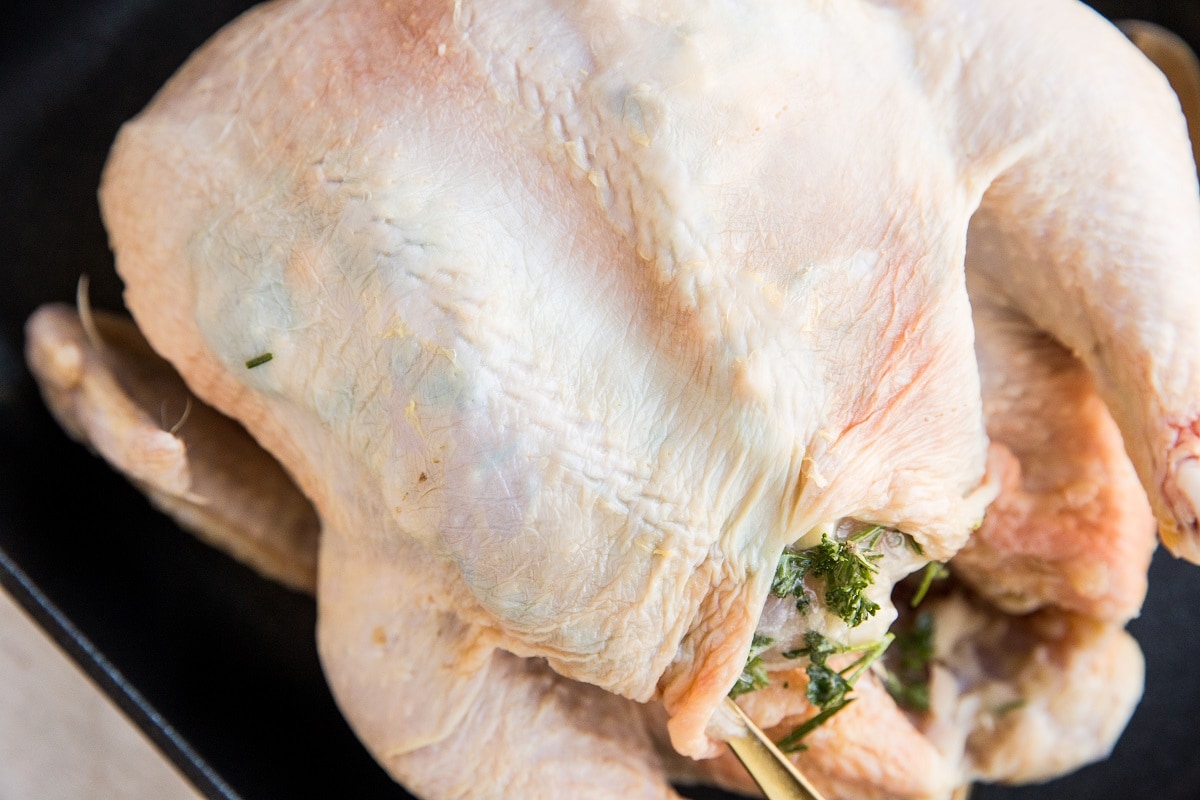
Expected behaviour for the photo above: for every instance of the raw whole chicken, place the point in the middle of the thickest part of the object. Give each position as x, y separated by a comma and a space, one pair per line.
577, 321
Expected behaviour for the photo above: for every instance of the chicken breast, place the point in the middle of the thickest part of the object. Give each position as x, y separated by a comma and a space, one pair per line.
570, 318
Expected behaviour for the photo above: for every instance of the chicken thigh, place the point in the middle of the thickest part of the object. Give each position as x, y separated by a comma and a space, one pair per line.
570, 318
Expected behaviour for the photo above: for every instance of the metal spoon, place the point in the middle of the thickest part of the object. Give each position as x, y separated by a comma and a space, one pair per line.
771, 770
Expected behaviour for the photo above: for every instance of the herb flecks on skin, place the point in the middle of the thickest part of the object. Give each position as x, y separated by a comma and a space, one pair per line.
754, 674
258, 360
789, 575
829, 689
908, 679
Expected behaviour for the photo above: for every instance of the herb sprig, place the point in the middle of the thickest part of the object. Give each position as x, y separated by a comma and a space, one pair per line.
934, 571
847, 567
829, 689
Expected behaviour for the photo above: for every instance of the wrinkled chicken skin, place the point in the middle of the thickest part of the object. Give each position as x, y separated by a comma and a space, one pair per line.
573, 333
108, 388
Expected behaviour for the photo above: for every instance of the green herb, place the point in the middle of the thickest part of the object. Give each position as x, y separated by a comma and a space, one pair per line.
915, 646
825, 687
871, 535
829, 689
259, 360
793, 742
848, 572
908, 679
1009, 707
789, 578
816, 647
848, 569
870, 654
913, 696
754, 674
753, 678
934, 571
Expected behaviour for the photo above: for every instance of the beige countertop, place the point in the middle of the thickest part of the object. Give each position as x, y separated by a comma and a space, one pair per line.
60, 737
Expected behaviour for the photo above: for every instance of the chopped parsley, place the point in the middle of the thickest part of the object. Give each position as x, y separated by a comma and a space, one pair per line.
816, 647
825, 687
789, 578
754, 674
848, 572
847, 567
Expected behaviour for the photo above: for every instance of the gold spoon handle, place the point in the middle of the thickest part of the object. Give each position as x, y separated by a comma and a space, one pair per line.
770, 769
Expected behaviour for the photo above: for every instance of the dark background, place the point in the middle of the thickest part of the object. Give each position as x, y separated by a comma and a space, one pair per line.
218, 666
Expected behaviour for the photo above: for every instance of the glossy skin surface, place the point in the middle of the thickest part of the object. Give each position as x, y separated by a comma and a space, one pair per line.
565, 350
